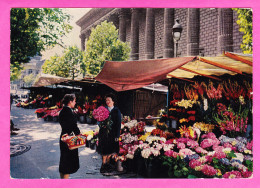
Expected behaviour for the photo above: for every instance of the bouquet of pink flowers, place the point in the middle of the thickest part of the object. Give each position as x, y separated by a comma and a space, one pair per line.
101, 114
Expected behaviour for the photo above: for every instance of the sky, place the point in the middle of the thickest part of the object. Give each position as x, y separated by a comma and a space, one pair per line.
73, 37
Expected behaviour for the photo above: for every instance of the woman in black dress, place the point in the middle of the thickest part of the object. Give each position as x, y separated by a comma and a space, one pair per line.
69, 160
109, 140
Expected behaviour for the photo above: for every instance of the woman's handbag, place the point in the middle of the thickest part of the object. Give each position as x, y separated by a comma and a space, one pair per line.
74, 142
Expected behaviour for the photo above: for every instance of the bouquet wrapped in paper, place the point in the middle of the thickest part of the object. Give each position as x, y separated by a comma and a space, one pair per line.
74, 142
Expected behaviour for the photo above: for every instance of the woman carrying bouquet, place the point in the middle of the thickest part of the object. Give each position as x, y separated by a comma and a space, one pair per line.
69, 160
109, 136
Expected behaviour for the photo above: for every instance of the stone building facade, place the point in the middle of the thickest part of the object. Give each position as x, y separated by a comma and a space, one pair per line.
206, 31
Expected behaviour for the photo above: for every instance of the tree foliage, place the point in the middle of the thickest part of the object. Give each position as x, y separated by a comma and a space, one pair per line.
29, 79
33, 30
245, 18
103, 44
69, 65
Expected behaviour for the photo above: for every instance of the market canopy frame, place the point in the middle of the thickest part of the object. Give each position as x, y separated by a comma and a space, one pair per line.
127, 75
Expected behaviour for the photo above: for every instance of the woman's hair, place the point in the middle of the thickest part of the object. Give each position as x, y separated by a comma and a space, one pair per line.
67, 98
112, 96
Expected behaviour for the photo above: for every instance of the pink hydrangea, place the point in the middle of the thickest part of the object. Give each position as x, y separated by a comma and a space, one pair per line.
246, 174
193, 163
185, 152
219, 154
192, 144
232, 174
201, 150
227, 145
206, 143
171, 153
209, 135
168, 153
249, 145
101, 113
209, 158
208, 170
218, 148
183, 140
180, 145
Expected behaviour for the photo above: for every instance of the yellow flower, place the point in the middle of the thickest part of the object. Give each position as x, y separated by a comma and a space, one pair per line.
143, 137
219, 172
198, 168
248, 151
183, 120
234, 143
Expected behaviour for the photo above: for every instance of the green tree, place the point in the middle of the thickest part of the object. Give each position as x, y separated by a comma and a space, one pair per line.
32, 31
69, 65
245, 23
29, 79
103, 44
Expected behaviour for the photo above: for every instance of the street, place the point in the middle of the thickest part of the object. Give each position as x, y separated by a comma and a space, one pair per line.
41, 161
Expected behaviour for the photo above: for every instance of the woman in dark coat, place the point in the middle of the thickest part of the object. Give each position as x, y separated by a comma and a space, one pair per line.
109, 140
69, 160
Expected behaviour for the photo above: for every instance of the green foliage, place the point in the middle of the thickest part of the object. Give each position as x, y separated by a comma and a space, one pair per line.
70, 64
103, 44
245, 18
15, 71
29, 79
32, 31
177, 167
249, 165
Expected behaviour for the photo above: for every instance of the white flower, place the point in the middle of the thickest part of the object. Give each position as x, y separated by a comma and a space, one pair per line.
168, 147
146, 153
89, 137
226, 150
239, 156
129, 156
211, 153
155, 152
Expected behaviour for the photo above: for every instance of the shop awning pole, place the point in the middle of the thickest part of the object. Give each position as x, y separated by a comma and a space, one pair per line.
180, 78
220, 66
212, 77
233, 56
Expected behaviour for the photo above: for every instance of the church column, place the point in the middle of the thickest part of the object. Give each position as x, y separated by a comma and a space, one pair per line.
168, 50
122, 24
83, 40
193, 31
225, 30
135, 34
149, 33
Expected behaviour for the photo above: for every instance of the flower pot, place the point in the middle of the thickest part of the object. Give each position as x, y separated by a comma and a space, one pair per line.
56, 118
93, 146
82, 119
88, 120
130, 165
119, 166
49, 118
87, 143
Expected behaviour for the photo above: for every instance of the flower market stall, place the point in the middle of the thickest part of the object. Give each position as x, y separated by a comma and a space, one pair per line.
207, 132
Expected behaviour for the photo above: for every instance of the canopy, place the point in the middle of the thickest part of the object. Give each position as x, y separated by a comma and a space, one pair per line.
135, 74
129, 75
46, 79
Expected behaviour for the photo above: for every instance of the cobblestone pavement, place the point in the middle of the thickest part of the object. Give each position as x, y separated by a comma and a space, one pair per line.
41, 158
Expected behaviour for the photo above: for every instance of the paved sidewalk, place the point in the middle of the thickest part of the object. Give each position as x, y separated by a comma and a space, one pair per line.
42, 159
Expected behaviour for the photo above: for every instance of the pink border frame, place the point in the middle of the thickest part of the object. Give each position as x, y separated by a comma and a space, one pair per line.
5, 179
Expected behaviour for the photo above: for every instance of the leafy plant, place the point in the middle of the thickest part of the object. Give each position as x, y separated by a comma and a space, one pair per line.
103, 44
32, 31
